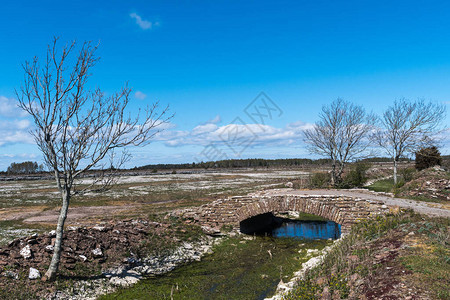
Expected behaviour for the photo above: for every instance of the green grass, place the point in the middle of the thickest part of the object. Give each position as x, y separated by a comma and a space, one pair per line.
238, 269
384, 185
12, 229
429, 260
432, 270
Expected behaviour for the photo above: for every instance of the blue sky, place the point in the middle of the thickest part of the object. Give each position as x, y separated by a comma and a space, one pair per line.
210, 59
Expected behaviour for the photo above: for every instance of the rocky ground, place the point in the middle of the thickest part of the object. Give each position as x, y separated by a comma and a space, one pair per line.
432, 183
400, 257
103, 256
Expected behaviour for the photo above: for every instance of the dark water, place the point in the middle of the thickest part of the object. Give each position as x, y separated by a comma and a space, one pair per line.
270, 225
307, 230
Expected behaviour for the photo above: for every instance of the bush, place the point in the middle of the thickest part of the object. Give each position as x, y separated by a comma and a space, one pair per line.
428, 157
356, 177
319, 180
407, 174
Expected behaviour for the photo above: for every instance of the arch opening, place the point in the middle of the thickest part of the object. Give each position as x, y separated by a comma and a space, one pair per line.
281, 226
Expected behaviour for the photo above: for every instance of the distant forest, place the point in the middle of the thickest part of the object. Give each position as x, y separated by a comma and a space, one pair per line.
252, 163
22, 168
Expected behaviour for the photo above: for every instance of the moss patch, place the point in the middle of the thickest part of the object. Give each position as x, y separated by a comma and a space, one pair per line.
238, 269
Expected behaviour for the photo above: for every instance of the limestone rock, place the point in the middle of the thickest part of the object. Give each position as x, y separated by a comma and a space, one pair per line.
97, 252
26, 252
34, 274
99, 228
11, 274
83, 258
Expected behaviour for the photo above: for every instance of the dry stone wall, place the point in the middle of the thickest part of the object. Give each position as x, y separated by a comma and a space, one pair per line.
343, 210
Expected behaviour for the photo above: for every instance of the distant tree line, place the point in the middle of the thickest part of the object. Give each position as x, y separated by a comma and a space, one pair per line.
253, 163
238, 163
26, 167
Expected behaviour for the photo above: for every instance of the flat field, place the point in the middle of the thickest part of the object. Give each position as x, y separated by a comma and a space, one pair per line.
28, 206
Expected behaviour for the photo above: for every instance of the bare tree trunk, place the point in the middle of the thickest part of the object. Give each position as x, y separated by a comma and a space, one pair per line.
339, 174
54, 264
333, 174
395, 171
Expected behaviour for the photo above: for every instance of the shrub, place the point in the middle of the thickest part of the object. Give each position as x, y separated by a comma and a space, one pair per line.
428, 157
356, 177
319, 180
407, 174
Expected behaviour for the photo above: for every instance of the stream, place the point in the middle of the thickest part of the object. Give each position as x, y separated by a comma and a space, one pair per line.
241, 267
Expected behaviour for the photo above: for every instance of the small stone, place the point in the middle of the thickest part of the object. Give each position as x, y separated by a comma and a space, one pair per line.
354, 277
11, 274
32, 241
97, 252
411, 233
99, 228
83, 258
326, 294
26, 252
321, 280
49, 248
353, 258
34, 274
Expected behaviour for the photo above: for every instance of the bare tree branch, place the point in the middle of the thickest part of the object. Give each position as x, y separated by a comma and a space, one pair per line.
76, 129
341, 134
407, 126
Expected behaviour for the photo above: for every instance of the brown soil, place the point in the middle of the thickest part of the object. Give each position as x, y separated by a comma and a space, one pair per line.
77, 214
78, 260
389, 278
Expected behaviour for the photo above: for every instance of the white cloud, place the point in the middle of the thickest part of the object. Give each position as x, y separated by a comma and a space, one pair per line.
15, 131
144, 24
140, 95
217, 119
9, 108
260, 134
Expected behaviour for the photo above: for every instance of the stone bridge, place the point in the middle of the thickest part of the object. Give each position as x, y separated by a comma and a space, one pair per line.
343, 210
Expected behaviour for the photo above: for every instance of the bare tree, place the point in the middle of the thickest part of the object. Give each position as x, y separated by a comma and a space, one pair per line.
77, 129
341, 135
408, 126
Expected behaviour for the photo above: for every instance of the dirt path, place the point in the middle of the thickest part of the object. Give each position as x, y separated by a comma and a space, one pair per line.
430, 209
75, 214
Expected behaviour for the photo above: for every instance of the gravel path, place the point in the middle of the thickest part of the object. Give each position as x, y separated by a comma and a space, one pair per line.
430, 209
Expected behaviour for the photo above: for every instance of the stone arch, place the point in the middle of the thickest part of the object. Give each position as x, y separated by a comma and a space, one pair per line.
312, 205
343, 210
